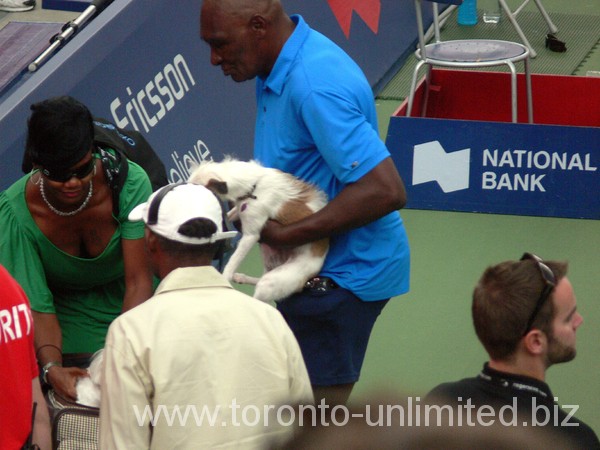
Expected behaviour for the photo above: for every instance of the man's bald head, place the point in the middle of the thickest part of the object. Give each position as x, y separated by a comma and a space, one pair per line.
245, 36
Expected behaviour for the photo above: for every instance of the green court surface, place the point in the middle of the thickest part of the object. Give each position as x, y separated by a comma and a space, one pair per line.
426, 337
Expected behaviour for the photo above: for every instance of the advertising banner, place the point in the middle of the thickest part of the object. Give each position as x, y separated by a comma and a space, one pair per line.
494, 167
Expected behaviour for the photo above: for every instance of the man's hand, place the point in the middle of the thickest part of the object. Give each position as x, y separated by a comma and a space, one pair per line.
273, 234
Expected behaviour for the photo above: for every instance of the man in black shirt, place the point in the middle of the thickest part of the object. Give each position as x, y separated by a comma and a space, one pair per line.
525, 315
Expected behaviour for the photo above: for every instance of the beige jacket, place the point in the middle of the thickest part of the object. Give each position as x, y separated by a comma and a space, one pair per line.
209, 366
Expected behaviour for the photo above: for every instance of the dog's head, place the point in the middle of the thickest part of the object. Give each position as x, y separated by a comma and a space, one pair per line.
229, 179
209, 174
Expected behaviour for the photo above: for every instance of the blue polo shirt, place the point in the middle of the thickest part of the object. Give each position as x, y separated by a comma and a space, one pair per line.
316, 119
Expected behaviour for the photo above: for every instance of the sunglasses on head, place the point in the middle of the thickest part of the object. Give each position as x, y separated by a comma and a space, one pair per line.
62, 176
549, 284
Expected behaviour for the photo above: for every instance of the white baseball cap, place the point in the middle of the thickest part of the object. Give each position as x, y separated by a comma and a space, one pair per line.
175, 204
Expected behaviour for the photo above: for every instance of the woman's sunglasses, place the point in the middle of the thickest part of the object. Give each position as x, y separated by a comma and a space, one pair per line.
62, 176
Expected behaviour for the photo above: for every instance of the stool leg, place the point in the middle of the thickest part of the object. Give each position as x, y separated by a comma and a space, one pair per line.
426, 93
513, 89
413, 88
529, 93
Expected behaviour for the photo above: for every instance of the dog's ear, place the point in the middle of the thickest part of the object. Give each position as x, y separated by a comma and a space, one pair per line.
217, 186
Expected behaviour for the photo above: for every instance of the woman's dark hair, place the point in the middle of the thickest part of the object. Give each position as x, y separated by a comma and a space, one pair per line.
60, 132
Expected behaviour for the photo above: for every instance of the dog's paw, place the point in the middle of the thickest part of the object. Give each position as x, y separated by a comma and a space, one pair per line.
239, 278
244, 279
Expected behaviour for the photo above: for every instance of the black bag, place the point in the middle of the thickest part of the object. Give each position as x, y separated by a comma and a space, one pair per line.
135, 147
128, 145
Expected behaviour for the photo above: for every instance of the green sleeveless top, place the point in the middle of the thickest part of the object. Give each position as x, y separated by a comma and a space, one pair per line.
85, 293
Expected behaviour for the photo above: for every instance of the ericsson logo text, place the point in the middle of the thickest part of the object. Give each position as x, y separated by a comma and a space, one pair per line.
158, 96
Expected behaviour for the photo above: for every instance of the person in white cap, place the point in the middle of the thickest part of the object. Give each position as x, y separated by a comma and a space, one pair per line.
198, 365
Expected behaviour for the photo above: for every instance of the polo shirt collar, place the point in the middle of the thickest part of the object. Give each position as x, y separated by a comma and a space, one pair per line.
276, 79
518, 382
192, 277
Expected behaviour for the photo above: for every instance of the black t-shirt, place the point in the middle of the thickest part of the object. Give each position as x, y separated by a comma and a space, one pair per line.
514, 401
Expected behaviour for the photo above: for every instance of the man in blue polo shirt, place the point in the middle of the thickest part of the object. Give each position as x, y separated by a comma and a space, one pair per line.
316, 119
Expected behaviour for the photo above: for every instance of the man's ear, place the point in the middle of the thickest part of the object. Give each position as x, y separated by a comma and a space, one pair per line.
258, 24
535, 342
151, 241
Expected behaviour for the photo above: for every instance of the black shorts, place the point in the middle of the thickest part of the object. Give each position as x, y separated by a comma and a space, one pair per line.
333, 329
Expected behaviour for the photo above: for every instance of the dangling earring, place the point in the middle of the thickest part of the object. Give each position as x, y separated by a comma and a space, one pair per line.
32, 173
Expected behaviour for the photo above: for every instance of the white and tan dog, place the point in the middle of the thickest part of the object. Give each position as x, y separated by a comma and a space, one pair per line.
259, 194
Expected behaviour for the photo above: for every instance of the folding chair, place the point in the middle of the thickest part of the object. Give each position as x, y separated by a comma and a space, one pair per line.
467, 53
512, 16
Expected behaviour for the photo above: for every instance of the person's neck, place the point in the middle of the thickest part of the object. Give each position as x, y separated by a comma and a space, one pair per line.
170, 265
520, 365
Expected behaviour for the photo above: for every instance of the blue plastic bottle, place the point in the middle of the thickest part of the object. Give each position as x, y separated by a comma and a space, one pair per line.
467, 13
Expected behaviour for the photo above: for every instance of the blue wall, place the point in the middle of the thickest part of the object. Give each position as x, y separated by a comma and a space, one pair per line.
141, 64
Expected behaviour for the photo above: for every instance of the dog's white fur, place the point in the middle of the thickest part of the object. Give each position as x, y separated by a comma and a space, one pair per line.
88, 388
259, 194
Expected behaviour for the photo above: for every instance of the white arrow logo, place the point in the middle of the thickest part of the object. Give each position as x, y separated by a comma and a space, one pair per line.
432, 163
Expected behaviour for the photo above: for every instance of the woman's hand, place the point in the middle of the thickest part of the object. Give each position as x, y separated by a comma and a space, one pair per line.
64, 379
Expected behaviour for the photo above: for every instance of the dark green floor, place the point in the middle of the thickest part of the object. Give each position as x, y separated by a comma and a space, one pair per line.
578, 31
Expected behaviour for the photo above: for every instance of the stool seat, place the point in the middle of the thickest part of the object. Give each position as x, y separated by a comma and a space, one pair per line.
474, 52
467, 53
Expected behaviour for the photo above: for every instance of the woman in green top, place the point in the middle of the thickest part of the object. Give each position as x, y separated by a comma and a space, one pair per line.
79, 264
